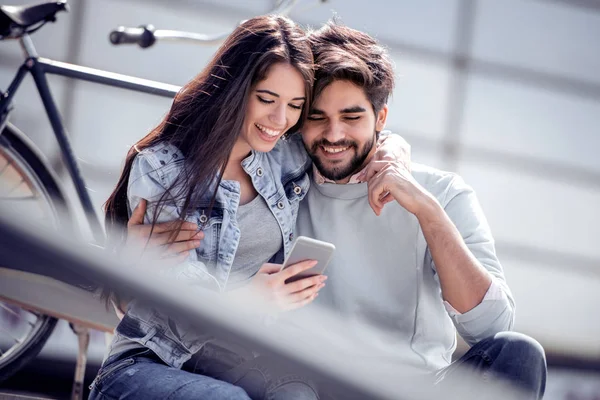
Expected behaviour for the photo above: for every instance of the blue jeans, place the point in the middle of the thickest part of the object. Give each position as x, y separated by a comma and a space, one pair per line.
509, 356
260, 376
213, 373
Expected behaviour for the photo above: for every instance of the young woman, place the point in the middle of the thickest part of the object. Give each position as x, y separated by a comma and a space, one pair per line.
217, 161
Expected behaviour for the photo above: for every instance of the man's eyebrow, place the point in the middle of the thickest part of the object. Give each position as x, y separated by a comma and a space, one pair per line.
350, 110
276, 95
316, 111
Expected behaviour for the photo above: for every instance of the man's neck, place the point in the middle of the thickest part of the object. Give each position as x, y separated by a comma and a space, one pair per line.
320, 179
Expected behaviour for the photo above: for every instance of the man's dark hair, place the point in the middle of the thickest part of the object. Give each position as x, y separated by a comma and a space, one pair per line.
343, 53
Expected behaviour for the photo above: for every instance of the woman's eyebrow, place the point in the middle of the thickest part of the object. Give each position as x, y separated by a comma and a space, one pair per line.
276, 95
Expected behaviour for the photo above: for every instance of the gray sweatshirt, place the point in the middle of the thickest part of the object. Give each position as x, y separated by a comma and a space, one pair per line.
382, 279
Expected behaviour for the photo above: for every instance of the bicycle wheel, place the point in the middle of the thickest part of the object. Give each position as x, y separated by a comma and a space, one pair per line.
26, 186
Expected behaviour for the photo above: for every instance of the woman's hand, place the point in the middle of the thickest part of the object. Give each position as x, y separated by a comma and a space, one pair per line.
391, 147
270, 284
158, 241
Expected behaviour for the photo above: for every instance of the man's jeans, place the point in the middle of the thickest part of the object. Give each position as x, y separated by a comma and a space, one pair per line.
213, 373
507, 356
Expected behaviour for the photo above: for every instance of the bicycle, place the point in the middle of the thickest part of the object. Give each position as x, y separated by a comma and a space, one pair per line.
28, 184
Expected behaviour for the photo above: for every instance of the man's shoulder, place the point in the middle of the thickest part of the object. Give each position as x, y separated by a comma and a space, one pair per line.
438, 182
430, 177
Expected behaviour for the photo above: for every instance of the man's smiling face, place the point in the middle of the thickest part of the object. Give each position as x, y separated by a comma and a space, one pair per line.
340, 132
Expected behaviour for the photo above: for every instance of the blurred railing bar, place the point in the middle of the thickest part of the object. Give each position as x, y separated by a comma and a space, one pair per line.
457, 84
22, 246
548, 258
531, 77
552, 171
527, 76
593, 5
72, 56
536, 167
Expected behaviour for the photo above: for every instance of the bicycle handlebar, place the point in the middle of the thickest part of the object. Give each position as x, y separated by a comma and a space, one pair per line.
145, 35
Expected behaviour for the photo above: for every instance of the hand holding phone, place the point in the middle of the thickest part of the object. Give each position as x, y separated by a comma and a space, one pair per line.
309, 249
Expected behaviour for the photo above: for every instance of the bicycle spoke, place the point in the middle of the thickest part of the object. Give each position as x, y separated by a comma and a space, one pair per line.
18, 185
10, 310
17, 314
10, 334
8, 164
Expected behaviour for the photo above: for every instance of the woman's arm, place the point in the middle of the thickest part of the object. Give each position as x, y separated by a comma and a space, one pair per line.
269, 282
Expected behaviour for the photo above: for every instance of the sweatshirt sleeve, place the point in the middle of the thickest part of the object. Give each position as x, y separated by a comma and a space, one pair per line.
496, 312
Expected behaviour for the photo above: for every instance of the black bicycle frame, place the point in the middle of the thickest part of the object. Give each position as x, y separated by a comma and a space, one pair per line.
39, 67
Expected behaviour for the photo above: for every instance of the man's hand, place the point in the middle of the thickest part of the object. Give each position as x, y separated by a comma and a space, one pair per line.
270, 284
159, 240
391, 162
394, 182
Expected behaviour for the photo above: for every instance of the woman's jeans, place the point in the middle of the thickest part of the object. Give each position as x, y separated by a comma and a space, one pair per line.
213, 373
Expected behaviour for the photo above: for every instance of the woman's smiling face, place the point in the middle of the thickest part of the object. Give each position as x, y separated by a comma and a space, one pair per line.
274, 106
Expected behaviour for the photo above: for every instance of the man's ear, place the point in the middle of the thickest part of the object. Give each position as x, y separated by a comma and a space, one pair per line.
381, 118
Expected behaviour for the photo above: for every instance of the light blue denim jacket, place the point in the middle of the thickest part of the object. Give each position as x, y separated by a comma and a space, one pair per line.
279, 176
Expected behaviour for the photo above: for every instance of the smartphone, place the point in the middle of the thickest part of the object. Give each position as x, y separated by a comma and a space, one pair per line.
306, 248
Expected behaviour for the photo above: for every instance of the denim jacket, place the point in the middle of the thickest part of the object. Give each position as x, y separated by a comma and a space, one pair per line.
279, 176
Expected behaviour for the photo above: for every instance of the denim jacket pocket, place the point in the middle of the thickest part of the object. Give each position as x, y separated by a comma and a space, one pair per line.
209, 245
210, 225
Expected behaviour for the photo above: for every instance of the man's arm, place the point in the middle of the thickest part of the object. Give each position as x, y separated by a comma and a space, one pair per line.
457, 253
463, 279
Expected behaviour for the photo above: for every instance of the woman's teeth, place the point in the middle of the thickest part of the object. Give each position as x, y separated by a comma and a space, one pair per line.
269, 132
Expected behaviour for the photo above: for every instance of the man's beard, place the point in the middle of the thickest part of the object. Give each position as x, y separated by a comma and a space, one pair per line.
341, 171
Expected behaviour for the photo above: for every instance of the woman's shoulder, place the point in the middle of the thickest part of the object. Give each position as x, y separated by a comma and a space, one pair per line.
161, 162
160, 155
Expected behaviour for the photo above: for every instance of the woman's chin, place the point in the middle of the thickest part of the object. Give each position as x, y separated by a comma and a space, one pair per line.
264, 147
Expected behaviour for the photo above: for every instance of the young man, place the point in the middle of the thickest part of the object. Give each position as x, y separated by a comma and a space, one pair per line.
421, 267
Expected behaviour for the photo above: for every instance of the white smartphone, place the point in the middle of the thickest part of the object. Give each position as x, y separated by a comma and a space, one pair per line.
306, 248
